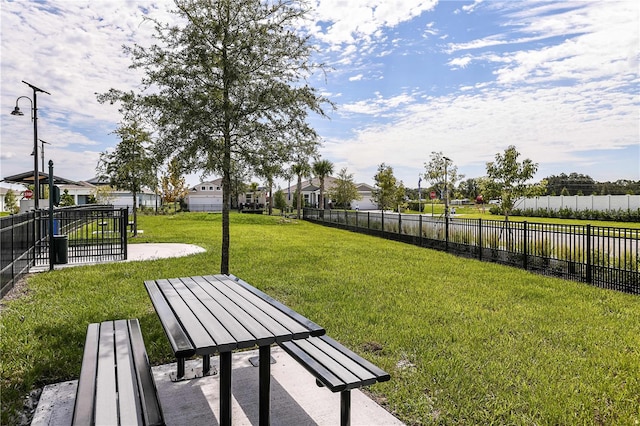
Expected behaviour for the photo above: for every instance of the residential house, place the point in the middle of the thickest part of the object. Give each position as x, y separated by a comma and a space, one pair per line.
207, 196
311, 194
120, 199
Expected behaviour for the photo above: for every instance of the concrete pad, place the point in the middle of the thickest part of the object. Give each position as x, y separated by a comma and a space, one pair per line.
295, 398
151, 251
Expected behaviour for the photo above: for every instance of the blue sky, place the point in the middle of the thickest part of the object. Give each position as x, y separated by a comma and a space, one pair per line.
559, 80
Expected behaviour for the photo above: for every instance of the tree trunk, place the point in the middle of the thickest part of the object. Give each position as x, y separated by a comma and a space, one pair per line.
135, 214
299, 203
270, 198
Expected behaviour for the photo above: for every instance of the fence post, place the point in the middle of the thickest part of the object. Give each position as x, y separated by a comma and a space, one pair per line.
589, 278
399, 222
369, 221
13, 255
420, 228
525, 245
382, 220
480, 238
446, 232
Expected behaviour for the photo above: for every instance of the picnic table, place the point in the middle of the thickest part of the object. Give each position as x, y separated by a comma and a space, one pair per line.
204, 315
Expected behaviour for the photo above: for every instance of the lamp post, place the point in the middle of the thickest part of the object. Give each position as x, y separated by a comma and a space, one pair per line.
34, 118
42, 151
446, 188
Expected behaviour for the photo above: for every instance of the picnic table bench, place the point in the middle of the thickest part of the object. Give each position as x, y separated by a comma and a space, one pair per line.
116, 385
336, 367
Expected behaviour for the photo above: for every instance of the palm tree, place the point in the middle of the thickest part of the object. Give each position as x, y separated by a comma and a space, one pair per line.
301, 170
322, 169
254, 189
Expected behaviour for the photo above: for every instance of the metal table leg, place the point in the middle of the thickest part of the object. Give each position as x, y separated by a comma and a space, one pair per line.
265, 385
225, 389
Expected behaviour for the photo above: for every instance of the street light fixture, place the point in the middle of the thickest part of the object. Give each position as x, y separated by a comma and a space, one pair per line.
34, 118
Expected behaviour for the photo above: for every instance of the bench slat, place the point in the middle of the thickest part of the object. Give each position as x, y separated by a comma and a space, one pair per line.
116, 385
328, 379
316, 330
83, 409
128, 397
382, 376
106, 409
334, 365
180, 343
149, 402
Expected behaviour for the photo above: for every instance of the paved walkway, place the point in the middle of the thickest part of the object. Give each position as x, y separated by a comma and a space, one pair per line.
296, 400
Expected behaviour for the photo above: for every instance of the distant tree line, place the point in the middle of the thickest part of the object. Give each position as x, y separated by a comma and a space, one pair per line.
579, 184
563, 184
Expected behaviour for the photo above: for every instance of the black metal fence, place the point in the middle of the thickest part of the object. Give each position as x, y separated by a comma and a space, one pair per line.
82, 234
606, 257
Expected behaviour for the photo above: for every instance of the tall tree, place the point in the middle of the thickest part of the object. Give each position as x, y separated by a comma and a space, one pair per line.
389, 193
130, 167
174, 186
322, 169
269, 171
253, 188
441, 172
510, 177
344, 190
227, 82
301, 170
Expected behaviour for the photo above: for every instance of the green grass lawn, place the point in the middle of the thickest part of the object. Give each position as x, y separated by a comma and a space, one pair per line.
465, 342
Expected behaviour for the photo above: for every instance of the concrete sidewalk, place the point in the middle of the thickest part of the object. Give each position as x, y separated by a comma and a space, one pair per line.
295, 398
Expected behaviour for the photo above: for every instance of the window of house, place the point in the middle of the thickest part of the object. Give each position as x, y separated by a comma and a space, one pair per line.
204, 188
211, 188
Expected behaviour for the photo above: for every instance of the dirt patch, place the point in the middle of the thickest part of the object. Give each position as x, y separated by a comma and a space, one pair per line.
20, 289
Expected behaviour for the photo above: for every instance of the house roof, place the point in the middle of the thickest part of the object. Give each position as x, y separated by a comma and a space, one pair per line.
311, 185
217, 182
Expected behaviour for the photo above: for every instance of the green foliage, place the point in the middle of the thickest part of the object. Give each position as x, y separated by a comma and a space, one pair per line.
568, 213
280, 200
66, 199
130, 166
344, 190
174, 187
11, 202
226, 82
322, 169
439, 170
509, 177
301, 169
465, 342
389, 193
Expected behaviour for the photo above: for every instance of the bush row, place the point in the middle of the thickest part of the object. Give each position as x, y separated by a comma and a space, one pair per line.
567, 213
